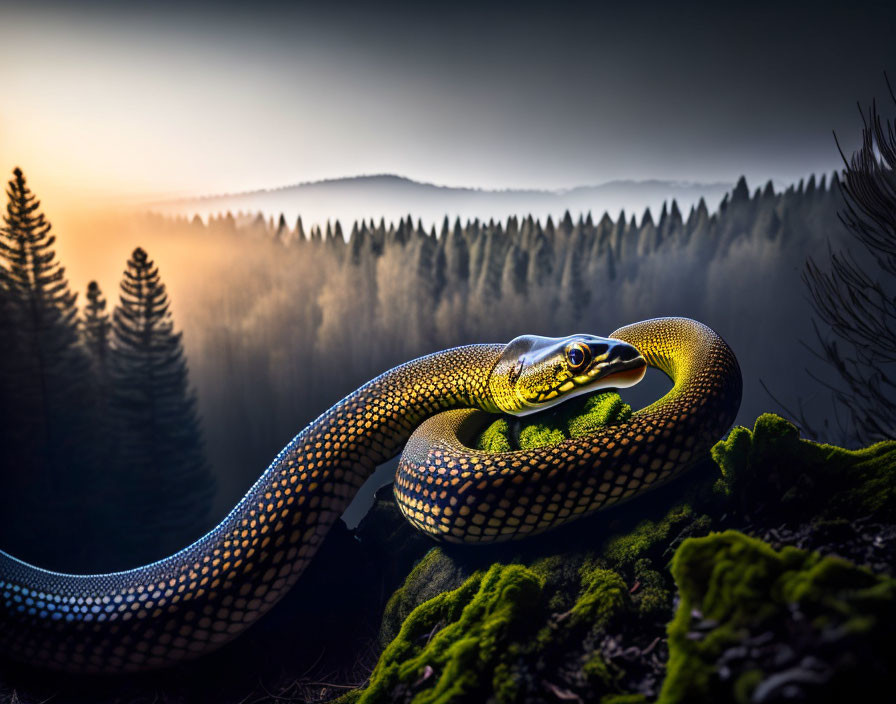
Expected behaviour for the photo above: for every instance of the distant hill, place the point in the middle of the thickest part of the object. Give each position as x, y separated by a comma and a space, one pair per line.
394, 197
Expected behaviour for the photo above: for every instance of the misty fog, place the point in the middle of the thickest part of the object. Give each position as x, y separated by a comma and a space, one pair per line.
279, 322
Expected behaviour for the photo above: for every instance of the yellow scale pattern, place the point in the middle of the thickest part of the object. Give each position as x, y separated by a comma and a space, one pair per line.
206, 594
457, 494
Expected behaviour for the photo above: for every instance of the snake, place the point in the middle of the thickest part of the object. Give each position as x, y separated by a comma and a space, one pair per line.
205, 595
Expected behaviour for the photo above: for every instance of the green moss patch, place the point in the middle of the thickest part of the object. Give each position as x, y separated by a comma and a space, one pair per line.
772, 466
499, 633
752, 620
576, 417
458, 638
624, 550
496, 437
466, 644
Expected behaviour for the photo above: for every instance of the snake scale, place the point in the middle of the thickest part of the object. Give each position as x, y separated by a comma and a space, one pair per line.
206, 594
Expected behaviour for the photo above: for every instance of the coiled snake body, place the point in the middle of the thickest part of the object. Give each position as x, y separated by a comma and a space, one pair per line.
206, 594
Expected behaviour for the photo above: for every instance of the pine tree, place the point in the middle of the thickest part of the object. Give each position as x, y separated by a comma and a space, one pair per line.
43, 407
541, 260
96, 329
283, 235
166, 485
9, 387
513, 278
457, 257
647, 235
49, 363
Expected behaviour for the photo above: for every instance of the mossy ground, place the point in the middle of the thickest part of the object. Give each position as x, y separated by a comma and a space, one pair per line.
824, 624
503, 631
583, 616
772, 467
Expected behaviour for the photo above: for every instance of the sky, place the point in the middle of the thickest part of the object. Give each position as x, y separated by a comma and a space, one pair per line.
108, 102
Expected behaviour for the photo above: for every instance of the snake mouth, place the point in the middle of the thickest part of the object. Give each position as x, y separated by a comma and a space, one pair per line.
626, 374
612, 374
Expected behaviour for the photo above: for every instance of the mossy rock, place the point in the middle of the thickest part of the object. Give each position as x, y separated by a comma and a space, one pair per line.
771, 466
435, 574
450, 647
602, 589
617, 585
499, 633
754, 624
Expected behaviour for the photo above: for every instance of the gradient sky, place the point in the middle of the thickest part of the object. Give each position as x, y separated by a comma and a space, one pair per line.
157, 99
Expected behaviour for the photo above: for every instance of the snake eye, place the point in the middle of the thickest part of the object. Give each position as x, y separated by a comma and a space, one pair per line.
577, 356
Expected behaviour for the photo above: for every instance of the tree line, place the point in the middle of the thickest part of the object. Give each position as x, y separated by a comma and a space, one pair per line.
283, 320
103, 464
292, 317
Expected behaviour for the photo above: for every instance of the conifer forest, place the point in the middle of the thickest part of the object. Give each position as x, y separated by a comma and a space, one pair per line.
100, 394
306, 391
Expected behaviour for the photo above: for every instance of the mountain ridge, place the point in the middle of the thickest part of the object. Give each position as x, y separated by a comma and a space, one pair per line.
386, 177
393, 196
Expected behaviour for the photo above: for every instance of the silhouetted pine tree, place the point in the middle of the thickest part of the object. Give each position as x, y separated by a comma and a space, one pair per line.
166, 485
574, 292
9, 386
43, 407
47, 360
96, 329
457, 256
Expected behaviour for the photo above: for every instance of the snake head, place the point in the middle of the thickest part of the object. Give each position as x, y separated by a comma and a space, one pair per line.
534, 373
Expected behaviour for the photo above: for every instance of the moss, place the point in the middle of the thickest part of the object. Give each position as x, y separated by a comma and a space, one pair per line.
771, 465
433, 575
733, 587
652, 597
603, 595
505, 683
462, 636
624, 699
560, 574
586, 614
624, 550
496, 437
586, 600
576, 417
597, 671
483, 638
539, 435
600, 409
